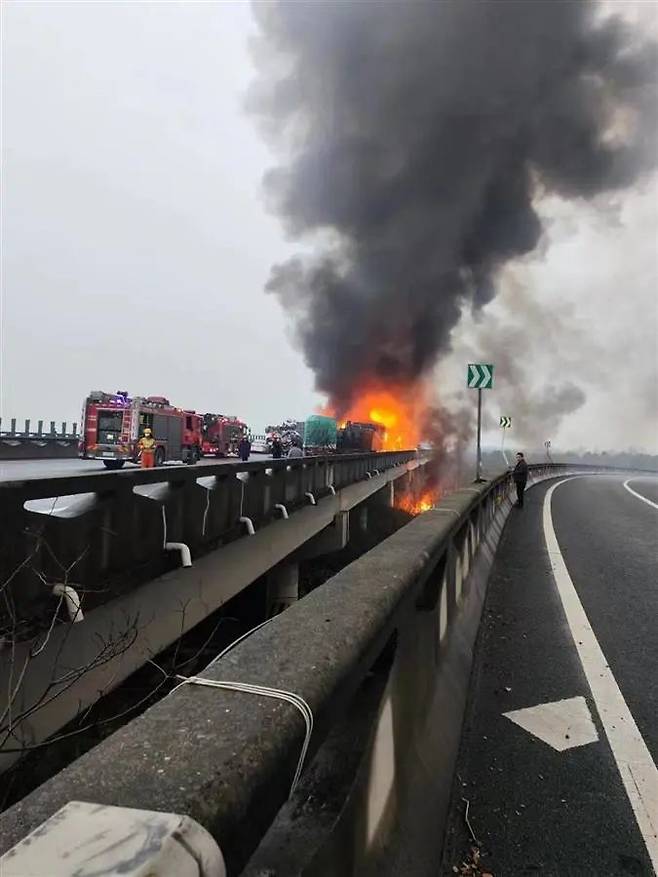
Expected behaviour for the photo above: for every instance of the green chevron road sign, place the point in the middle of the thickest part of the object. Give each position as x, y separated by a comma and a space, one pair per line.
506, 422
479, 376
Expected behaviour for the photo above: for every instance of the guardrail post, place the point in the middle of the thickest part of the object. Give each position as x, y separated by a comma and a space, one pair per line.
13, 426
75, 428
52, 427
40, 427
27, 426
63, 427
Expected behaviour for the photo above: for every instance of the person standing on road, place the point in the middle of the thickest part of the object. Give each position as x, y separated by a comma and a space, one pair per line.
295, 451
244, 448
520, 476
146, 446
277, 448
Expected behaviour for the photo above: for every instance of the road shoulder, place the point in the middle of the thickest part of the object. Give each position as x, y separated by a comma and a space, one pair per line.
534, 809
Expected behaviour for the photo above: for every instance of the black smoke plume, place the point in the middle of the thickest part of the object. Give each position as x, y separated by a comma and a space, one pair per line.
414, 138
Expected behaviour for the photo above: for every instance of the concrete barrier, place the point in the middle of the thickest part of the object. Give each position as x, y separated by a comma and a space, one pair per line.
108, 530
86, 601
381, 654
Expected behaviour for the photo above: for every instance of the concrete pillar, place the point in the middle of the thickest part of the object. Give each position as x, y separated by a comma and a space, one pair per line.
385, 496
362, 518
332, 538
282, 588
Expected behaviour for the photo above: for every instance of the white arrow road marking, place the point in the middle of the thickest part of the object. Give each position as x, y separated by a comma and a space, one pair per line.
639, 495
486, 375
636, 768
474, 375
563, 724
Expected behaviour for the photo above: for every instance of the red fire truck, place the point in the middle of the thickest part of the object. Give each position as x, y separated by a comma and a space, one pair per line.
221, 434
112, 424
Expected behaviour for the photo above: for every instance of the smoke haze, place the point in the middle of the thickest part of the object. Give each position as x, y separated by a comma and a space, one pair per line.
415, 141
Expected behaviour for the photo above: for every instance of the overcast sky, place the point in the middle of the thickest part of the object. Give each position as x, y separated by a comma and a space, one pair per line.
136, 244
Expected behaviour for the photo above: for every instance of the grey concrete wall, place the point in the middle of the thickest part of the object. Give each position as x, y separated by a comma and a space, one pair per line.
118, 635
227, 759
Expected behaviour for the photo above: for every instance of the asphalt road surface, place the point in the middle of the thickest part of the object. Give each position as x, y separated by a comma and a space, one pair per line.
566, 782
19, 469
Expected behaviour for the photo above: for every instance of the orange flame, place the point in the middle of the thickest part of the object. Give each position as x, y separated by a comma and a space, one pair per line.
398, 409
417, 505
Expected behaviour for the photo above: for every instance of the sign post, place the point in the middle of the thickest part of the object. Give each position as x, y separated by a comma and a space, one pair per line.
479, 377
505, 423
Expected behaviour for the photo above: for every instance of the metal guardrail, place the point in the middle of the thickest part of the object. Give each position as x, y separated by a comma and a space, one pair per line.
105, 532
407, 611
39, 444
26, 433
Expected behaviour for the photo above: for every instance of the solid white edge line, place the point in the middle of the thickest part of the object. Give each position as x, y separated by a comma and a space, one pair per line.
636, 767
639, 495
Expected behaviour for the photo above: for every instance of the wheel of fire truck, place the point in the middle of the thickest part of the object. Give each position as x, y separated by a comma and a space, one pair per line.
113, 464
159, 456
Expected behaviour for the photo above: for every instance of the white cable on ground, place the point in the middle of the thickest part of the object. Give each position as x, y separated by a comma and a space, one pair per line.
240, 638
263, 691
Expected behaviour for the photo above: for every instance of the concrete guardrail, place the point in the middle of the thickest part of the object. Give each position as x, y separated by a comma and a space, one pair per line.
362, 683
105, 532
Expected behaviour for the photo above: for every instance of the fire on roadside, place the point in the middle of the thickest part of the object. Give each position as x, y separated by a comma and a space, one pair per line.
416, 505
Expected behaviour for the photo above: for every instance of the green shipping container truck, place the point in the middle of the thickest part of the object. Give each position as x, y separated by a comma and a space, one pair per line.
320, 434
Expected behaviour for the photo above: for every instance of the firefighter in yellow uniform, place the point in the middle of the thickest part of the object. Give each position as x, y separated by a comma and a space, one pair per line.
146, 446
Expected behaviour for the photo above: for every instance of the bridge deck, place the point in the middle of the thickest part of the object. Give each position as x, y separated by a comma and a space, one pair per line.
534, 808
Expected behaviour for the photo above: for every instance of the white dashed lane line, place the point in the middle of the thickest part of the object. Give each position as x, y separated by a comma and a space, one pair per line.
632, 757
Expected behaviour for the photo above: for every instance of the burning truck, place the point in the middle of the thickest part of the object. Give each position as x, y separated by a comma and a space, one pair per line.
324, 435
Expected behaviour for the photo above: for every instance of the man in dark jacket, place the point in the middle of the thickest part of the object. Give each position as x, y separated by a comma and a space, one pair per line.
520, 476
277, 448
244, 448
